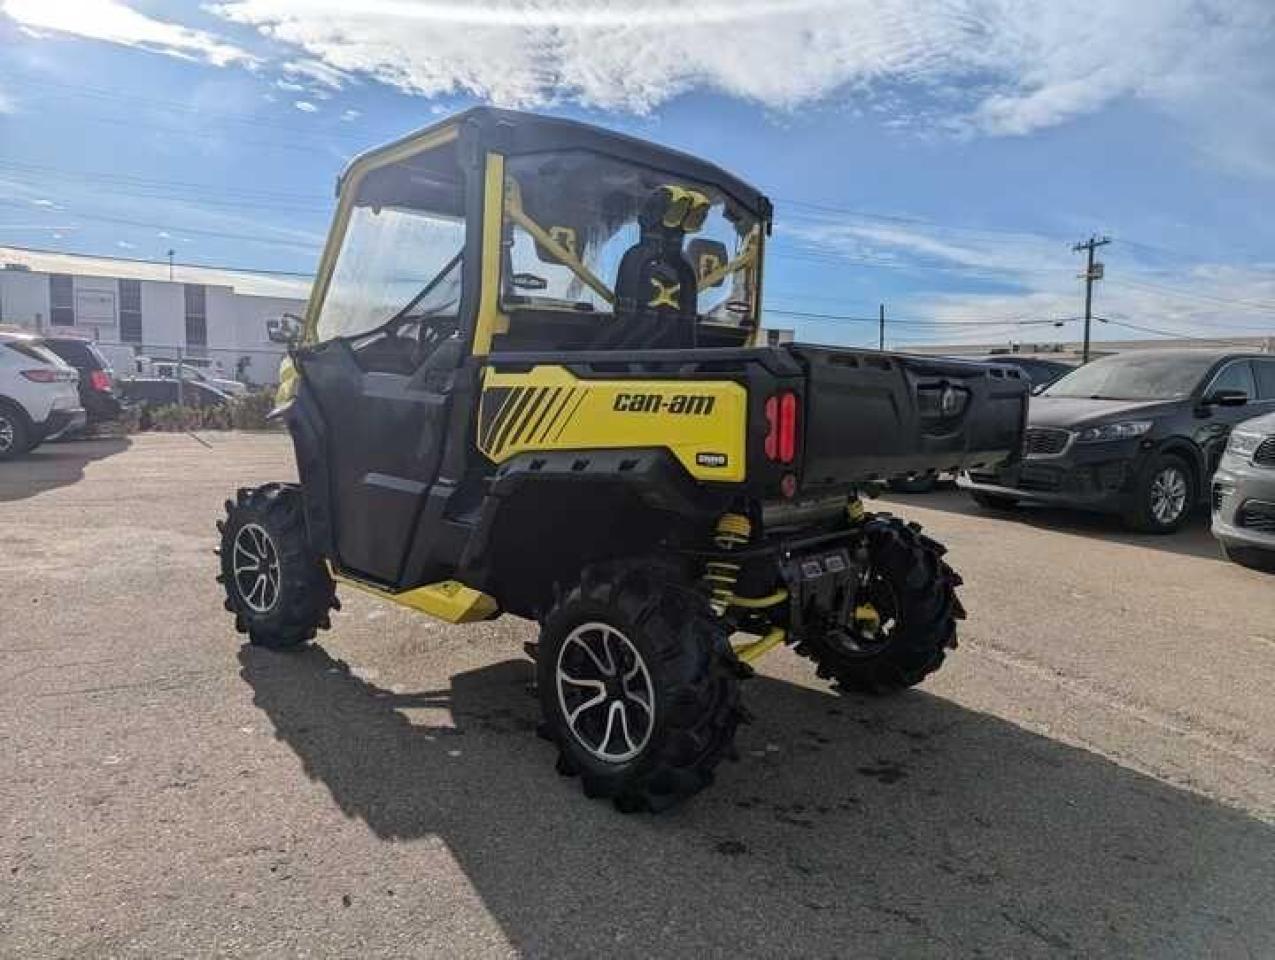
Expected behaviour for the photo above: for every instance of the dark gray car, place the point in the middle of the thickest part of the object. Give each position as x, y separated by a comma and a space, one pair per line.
1244, 494
1137, 434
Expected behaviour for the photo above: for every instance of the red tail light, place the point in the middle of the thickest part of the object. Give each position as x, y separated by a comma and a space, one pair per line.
100, 380
781, 427
41, 375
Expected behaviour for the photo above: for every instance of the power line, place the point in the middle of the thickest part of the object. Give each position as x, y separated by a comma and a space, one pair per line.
995, 233
163, 263
1203, 297
217, 234
1168, 333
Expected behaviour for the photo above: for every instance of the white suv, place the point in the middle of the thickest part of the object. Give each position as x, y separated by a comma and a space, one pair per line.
39, 399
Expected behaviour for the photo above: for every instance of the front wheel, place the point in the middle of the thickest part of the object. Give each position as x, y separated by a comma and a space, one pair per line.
906, 617
278, 590
639, 687
1164, 496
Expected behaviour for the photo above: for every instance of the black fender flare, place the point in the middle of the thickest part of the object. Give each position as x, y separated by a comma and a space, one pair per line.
654, 475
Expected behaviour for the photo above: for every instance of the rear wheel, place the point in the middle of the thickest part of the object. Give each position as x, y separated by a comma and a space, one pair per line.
1165, 495
15, 432
909, 605
638, 684
278, 590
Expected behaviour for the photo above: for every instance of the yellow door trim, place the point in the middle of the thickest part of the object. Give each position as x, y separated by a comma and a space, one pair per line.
490, 320
448, 600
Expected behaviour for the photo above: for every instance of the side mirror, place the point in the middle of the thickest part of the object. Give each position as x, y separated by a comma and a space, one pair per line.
1226, 398
528, 281
285, 329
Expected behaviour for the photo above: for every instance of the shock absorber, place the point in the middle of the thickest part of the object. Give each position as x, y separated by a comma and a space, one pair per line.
733, 531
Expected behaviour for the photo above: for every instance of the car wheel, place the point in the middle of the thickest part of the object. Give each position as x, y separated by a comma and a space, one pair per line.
912, 593
638, 684
15, 434
1165, 496
278, 590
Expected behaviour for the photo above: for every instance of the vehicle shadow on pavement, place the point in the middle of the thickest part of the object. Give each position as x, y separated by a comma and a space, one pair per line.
910, 826
1193, 540
53, 465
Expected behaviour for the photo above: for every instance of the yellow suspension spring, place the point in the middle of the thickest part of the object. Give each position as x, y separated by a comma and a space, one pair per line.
733, 531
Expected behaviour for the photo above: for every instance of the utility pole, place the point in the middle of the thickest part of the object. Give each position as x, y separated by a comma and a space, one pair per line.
1092, 272
170, 263
881, 339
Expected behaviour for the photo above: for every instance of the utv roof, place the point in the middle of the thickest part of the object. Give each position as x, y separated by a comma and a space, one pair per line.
512, 132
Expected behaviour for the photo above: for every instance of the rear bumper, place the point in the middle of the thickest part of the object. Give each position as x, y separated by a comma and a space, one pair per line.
62, 422
1243, 501
1098, 477
100, 405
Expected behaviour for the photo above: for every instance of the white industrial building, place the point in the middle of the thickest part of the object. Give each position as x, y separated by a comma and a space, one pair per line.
215, 317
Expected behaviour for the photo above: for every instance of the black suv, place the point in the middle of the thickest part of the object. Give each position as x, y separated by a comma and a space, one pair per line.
1137, 434
98, 394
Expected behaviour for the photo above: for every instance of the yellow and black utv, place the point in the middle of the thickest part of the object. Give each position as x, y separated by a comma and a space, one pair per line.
531, 382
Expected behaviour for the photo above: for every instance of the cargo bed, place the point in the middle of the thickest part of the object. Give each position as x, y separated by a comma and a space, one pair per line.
871, 416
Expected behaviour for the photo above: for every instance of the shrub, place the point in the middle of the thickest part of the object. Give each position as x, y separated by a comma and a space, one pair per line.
249, 411
172, 418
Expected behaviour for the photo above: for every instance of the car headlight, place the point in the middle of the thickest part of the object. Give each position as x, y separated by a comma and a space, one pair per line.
1244, 444
1114, 431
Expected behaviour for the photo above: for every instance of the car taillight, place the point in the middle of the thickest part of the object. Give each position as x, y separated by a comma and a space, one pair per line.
100, 380
781, 427
41, 375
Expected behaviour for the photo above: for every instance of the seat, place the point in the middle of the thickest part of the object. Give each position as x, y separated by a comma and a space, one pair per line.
655, 288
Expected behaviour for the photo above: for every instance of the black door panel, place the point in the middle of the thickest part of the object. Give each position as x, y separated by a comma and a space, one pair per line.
385, 436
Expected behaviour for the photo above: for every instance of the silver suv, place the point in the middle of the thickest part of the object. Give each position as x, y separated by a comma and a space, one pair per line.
1244, 494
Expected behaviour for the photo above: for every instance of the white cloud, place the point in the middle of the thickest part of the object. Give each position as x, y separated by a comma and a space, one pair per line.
43, 202
125, 245
290, 85
318, 72
6, 103
116, 22
349, 116
305, 106
994, 66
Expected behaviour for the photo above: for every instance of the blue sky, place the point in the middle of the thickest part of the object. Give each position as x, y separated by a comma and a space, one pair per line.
939, 158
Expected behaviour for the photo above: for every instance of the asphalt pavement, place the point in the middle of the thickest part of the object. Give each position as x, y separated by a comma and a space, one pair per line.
1093, 772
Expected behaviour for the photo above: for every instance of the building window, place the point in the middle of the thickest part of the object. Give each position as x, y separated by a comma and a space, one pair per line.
130, 311
196, 316
61, 300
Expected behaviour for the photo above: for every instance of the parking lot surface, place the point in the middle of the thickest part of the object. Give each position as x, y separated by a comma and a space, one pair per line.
1092, 773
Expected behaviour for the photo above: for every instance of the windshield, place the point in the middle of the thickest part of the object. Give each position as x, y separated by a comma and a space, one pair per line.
1132, 377
400, 257
571, 217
